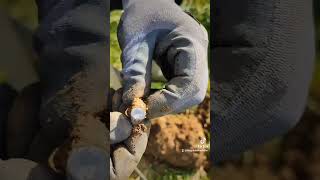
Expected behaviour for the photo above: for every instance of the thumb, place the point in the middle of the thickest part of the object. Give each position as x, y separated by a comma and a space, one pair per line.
137, 63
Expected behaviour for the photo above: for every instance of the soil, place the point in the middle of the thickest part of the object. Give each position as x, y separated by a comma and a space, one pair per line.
138, 103
138, 129
172, 134
85, 110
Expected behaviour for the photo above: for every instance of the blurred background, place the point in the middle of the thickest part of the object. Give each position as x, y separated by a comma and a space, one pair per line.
295, 156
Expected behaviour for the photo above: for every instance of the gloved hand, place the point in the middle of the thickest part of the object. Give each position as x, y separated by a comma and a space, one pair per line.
72, 43
22, 123
262, 66
126, 155
161, 30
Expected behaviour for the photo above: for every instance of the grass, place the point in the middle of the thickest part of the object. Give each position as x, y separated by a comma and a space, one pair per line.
164, 172
24, 11
115, 51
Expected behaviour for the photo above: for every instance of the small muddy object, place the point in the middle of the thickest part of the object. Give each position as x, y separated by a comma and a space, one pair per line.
139, 129
120, 127
137, 112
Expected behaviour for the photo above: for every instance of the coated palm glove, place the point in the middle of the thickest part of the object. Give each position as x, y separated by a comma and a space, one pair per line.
161, 30
72, 43
129, 152
262, 63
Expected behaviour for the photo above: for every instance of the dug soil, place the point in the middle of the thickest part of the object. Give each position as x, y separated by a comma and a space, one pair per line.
172, 137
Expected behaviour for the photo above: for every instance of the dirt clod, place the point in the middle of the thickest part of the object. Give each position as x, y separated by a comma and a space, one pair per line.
172, 134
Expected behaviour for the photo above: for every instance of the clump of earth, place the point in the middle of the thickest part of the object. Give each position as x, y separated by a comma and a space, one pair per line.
172, 134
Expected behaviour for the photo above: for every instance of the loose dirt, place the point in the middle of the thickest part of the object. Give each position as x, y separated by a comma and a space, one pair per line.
138, 129
172, 134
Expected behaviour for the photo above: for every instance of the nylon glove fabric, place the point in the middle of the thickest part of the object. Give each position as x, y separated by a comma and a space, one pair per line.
263, 56
120, 127
128, 142
126, 155
161, 30
72, 43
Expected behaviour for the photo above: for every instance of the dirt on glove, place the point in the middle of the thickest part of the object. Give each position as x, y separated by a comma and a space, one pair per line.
84, 108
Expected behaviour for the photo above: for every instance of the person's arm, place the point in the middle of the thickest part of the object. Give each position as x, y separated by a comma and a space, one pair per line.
262, 64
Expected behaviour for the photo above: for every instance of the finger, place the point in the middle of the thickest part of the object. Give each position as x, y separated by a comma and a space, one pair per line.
136, 62
88, 164
117, 100
122, 158
129, 154
88, 137
120, 127
137, 142
183, 60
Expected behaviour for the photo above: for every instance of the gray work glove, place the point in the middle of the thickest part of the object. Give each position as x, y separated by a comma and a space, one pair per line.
263, 58
72, 44
125, 156
161, 30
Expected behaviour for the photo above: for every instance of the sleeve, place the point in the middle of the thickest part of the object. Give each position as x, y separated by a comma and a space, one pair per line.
262, 63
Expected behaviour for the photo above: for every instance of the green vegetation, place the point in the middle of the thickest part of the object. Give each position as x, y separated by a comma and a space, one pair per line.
24, 11
115, 52
200, 9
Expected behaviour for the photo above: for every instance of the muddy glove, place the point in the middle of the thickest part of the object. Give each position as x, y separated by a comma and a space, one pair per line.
161, 30
72, 43
126, 155
262, 66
